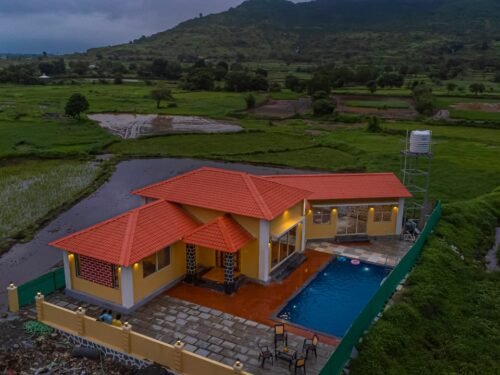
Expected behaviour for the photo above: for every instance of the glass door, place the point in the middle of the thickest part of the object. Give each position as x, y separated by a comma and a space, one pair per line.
352, 220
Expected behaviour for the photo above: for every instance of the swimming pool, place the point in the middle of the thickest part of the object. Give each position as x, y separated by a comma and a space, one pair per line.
334, 298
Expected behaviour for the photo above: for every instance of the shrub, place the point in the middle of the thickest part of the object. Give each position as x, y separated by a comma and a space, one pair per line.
374, 125
250, 101
118, 80
77, 103
322, 107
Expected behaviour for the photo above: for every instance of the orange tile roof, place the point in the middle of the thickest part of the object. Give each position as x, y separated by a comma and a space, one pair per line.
223, 234
227, 191
346, 185
132, 236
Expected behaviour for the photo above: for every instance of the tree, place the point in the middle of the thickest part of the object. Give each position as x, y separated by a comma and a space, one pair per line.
372, 86
250, 101
319, 82
200, 79
497, 78
374, 125
161, 93
261, 72
451, 86
240, 81
294, 83
322, 107
424, 99
477, 88
76, 104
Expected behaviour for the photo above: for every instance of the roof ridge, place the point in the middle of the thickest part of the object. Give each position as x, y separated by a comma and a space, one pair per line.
248, 179
170, 179
129, 238
223, 228
340, 174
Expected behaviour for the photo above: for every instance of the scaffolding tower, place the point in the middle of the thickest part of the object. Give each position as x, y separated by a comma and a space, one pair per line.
415, 173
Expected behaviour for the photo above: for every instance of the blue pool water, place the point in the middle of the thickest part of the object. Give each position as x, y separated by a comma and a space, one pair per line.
335, 297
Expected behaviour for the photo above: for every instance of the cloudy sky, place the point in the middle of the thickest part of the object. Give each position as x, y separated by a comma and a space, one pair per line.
61, 26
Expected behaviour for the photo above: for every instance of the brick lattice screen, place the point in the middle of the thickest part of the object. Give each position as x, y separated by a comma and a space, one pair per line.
96, 271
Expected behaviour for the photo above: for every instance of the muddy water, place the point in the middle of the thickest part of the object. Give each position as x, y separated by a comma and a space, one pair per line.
29, 260
132, 126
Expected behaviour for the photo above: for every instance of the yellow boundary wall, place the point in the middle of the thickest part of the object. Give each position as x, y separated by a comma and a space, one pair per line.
125, 340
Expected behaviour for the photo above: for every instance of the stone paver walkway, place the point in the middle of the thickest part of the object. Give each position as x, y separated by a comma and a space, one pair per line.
208, 332
383, 251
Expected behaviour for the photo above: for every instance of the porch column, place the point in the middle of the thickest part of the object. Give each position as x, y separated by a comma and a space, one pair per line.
264, 250
190, 263
127, 286
229, 273
303, 235
399, 222
67, 270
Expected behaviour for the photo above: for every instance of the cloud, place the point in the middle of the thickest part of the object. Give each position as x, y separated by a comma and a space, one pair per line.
62, 26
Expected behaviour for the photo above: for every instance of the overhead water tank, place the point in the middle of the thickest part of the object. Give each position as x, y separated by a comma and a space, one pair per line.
420, 141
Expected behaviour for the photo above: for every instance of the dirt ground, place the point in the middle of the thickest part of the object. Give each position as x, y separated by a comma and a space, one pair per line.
281, 109
482, 107
390, 113
49, 353
133, 126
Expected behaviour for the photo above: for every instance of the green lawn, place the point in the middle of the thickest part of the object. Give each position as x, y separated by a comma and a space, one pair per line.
379, 104
31, 190
473, 115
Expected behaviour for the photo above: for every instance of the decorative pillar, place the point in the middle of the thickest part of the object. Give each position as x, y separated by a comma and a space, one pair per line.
126, 342
127, 286
67, 269
229, 273
80, 323
264, 250
39, 299
190, 263
238, 367
178, 346
13, 298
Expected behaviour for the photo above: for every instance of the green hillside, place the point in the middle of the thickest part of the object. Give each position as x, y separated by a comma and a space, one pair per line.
345, 31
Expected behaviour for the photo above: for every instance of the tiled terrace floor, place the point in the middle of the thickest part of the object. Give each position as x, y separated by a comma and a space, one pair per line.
207, 332
382, 251
258, 302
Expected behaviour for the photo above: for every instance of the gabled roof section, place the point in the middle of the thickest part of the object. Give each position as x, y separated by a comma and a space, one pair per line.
346, 185
132, 236
222, 233
227, 191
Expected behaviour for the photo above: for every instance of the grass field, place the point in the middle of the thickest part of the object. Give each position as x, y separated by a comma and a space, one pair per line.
474, 115
30, 190
379, 104
445, 321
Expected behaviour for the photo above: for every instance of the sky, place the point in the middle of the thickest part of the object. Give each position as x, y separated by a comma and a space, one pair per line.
64, 26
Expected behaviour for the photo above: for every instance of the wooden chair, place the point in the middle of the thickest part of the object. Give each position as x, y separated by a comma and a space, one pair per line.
264, 354
300, 363
280, 335
311, 345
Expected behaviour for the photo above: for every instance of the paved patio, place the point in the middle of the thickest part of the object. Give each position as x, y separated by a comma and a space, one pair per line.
208, 332
381, 251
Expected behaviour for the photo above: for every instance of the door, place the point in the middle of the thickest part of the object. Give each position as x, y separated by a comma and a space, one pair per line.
220, 257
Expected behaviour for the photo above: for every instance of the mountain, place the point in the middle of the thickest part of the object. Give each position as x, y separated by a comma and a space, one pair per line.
328, 30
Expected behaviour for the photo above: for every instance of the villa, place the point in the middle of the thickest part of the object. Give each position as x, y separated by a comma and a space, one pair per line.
219, 228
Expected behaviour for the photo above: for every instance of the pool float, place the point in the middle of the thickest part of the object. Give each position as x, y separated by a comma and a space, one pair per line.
342, 259
355, 262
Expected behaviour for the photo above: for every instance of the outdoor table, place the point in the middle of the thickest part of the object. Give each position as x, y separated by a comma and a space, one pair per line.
286, 354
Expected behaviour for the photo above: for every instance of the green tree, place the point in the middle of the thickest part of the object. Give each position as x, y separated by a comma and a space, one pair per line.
250, 101
451, 86
323, 107
477, 88
497, 78
76, 104
161, 93
374, 125
424, 100
372, 86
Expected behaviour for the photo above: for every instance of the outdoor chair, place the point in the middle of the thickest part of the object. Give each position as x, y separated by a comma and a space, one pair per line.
264, 354
300, 363
280, 335
311, 345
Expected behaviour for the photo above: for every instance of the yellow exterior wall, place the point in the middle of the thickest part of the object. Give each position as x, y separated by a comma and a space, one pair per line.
249, 254
205, 256
383, 228
143, 287
283, 222
318, 231
93, 289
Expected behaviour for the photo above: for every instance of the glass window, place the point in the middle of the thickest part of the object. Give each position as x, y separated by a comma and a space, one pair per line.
283, 247
322, 216
383, 213
156, 262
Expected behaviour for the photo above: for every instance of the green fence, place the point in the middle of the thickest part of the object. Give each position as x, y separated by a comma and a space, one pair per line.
46, 284
342, 353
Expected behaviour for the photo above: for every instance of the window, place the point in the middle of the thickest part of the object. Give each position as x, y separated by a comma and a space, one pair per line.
322, 216
96, 271
283, 247
382, 214
155, 262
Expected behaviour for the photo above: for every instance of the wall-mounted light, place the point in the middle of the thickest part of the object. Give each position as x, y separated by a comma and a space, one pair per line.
395, 208
71, 256
372, 208
136, 265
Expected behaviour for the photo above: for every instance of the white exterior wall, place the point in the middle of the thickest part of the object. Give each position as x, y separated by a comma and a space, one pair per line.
127, 287
264, 250
67, 270
399, 222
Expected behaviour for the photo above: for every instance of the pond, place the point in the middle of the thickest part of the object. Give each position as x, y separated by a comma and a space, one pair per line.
127, 125
26, 261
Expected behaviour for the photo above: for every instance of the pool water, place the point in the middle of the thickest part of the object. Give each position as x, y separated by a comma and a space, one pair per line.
334, 298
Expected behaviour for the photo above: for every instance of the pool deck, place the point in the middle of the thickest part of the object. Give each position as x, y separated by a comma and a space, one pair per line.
381, 251
259, 302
